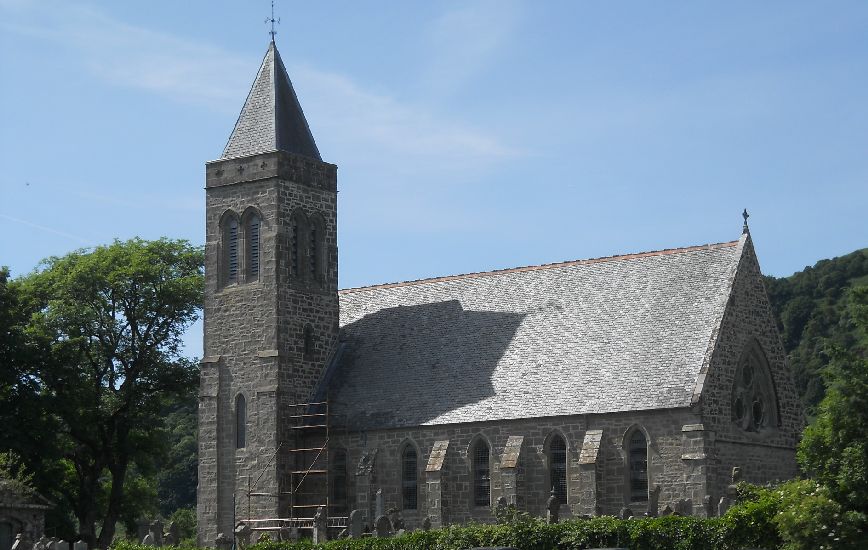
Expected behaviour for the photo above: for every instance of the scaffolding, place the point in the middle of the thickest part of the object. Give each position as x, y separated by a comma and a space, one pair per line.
308, 487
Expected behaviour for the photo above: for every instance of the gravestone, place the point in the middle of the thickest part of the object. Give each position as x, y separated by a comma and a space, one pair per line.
242, 534
222, 542
500, 508
156, 531
41, 544
653, 502
320, 526
355, 524
666, 511
62, 545
19, 542
383, 527
172, 536
79, 545
378, 507
625, 513
148, 540
426, 523
552, 508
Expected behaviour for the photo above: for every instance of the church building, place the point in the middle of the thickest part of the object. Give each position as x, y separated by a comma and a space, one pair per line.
635, 381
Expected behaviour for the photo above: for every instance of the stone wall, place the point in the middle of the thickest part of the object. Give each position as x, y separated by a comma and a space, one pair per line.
254, 333
768, 454
666, 447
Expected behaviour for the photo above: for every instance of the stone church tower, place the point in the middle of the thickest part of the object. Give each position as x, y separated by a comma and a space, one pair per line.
271, 304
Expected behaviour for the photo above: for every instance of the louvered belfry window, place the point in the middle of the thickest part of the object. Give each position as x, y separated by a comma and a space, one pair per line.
638, 456
481, 475
409, 485
253, 248
558, 467
231, 247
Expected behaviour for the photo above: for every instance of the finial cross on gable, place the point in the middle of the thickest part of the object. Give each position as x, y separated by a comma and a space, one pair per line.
745, 215
272, 20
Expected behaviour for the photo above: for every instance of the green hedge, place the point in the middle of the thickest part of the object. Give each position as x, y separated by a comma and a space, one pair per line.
797, 515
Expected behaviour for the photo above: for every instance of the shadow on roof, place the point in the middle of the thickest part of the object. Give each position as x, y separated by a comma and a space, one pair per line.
407, 365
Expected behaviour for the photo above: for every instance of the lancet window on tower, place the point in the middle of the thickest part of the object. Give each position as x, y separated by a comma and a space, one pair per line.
240, 422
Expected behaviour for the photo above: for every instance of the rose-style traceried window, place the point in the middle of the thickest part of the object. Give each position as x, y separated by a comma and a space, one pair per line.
754, 403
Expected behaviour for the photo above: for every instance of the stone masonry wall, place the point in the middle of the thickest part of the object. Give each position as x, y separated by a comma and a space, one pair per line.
666, 466
254, 333
770, 454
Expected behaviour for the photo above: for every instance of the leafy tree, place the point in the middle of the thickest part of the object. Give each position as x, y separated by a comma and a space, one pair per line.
178, 468
834, 448
112, 320
812, 313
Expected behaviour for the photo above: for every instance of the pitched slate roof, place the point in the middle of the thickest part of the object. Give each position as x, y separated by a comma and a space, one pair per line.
589, 336
272, 118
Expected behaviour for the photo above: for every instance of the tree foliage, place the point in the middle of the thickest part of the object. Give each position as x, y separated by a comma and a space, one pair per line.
813, 315
834, 448
110, 323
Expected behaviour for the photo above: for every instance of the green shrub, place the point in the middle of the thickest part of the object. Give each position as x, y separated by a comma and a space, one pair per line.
808, 519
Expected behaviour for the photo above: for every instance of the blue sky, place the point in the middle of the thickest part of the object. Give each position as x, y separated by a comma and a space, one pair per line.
469, 135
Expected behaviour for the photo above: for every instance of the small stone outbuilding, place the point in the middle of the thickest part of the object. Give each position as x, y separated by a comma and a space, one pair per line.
22, 511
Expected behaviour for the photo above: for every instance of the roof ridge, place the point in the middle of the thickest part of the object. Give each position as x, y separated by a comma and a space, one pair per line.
555, 265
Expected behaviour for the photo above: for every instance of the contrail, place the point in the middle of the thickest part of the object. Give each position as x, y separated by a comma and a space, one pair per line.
48, 229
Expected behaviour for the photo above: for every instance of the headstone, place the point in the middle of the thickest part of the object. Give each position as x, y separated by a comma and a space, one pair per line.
41, 544
19, 542
706, 505
355, 524
320, 526
172, 537
552, 507
142, 526
157, 532
426, 523
148, 540
383, 527
653, 502
378, 507
625, 513
666, 511
399, 533
222, 542
62, 545
343, 533
500, 508
242, 534
684, 507
79, 545
52, 544
722, 506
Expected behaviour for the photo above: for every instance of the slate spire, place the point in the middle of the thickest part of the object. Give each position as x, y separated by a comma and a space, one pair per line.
271, 119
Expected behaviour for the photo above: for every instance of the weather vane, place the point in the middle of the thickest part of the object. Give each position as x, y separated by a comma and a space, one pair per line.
272, 20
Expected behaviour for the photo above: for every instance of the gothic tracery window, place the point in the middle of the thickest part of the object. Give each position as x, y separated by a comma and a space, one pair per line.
754, 405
